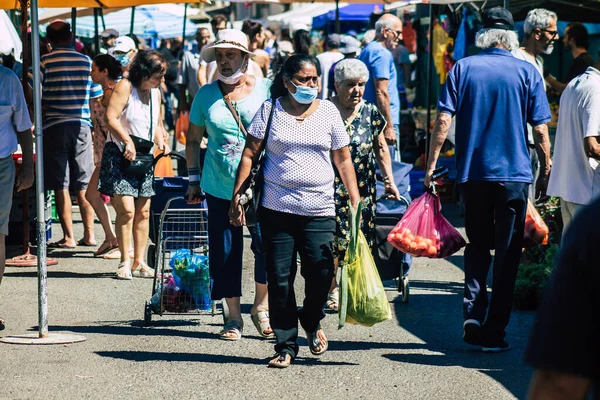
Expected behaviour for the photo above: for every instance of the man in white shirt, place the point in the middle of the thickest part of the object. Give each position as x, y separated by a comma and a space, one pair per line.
327, 59
15, 128
575, 175
540, 35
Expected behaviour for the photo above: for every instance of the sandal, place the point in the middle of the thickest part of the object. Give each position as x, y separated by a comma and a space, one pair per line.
106, 247
2, 326
315, 342
143, 271
83, 243
281, 360
333, 301
124, 272
235, 327
262, 323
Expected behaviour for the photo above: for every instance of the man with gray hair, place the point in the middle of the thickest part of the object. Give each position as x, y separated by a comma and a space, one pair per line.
493, 96
382, 87
540, 35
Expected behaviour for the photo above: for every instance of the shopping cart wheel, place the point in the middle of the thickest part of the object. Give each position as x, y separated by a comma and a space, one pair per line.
405, 288
147, 314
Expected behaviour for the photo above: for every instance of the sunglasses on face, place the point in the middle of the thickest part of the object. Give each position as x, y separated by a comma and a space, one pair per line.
398, 37
553, 34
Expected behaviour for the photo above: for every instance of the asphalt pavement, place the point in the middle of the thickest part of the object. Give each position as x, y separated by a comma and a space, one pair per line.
419, 354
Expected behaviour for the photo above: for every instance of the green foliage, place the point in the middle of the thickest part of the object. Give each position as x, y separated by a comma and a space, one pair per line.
537, 262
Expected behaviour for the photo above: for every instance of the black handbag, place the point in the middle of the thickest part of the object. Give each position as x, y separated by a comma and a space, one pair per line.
144, 160
256, 173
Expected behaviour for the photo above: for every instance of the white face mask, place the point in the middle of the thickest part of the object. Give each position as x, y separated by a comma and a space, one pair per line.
233, 79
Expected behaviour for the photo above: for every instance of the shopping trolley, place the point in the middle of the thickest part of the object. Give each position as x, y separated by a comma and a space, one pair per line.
179, 253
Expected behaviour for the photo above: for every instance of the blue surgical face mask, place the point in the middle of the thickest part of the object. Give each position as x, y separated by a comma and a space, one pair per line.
123, 59
304, 94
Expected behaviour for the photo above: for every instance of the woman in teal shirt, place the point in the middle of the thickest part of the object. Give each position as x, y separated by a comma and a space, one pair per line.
210, 115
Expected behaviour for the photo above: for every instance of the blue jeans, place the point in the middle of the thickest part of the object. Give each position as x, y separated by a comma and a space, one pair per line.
494, 219
226, 250
285, 235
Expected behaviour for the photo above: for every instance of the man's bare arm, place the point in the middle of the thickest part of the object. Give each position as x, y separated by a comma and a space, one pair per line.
438, 137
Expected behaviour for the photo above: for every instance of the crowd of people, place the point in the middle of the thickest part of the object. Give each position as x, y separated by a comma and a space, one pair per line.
324, 123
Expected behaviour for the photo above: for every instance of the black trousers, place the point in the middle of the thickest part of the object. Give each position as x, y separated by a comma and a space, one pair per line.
494, 219
285, 235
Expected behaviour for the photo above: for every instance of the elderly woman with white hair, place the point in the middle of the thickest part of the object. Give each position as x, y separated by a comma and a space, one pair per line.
365, 126
222, 110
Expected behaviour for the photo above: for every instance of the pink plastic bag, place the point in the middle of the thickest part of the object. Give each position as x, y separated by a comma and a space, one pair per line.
424, 232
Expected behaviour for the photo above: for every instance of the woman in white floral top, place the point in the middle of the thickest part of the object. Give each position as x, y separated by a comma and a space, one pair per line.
365, 126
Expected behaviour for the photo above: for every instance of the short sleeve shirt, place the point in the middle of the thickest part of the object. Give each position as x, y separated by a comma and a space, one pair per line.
401, 56
565, 335
14, 116
579, 119
538, 63
380, 63
298, 171
188, 73
493, 96
225, 140
578, 66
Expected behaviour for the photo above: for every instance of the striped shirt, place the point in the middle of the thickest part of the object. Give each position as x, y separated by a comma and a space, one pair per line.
66, 87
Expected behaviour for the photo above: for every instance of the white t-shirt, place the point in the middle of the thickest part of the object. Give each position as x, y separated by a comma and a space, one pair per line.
575, 177
538, 63
326, 60
298, 171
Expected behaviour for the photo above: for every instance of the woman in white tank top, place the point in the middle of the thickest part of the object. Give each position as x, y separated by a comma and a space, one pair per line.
134, 110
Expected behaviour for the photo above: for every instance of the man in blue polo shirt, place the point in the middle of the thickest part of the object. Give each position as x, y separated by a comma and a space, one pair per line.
493, 96
67, 89
382, 87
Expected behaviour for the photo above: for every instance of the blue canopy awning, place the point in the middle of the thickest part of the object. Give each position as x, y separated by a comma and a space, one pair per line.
352, 12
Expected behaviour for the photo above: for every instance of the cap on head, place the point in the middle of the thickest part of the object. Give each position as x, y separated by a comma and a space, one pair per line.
110, 33
226, 39
124, 44
334, 41
349, 45
498, 18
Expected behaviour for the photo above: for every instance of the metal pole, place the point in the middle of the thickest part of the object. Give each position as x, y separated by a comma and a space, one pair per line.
184, 25
39, 175
132, 20
73, 24
337, 16
102, 18
429, 78
506, 4
96, 29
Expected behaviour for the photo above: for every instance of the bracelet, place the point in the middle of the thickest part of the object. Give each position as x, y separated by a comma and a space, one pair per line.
194, 174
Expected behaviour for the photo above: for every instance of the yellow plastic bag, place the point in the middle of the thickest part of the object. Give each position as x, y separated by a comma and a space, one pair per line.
363, 300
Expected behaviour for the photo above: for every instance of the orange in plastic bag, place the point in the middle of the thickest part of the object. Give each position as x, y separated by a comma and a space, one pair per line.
181, 128
536, 230
164, 166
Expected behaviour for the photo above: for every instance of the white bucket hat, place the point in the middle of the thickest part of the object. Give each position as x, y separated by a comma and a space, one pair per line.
226, 39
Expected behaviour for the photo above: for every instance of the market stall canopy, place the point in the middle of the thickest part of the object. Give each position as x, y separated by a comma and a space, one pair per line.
350, 13
304, 13
151, 21
15, 4
11, 42
580, 10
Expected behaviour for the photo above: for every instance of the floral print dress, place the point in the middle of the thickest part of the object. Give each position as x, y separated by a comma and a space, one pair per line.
364, 128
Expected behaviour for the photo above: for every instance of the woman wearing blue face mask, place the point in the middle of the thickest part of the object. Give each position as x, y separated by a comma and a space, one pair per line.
297, 213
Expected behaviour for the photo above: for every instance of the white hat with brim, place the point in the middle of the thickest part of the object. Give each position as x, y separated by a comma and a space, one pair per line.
226, 39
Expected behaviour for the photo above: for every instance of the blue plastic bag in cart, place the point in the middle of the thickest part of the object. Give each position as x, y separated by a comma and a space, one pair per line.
192, 275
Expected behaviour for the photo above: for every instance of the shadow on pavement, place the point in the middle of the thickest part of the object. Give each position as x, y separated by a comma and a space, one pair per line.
140, 356
61, 274
434, 315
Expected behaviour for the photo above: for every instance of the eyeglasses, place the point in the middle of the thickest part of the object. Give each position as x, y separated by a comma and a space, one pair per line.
398, 35
553, 34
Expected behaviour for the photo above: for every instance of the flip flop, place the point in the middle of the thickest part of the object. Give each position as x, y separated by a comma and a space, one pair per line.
104, 248
262, 323
333, 301
115, 254
314, 341
58, 245
82, 243
2, 326
281, 360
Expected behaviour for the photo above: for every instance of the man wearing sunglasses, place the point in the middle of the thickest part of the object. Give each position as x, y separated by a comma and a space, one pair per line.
382, 86
540, 35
